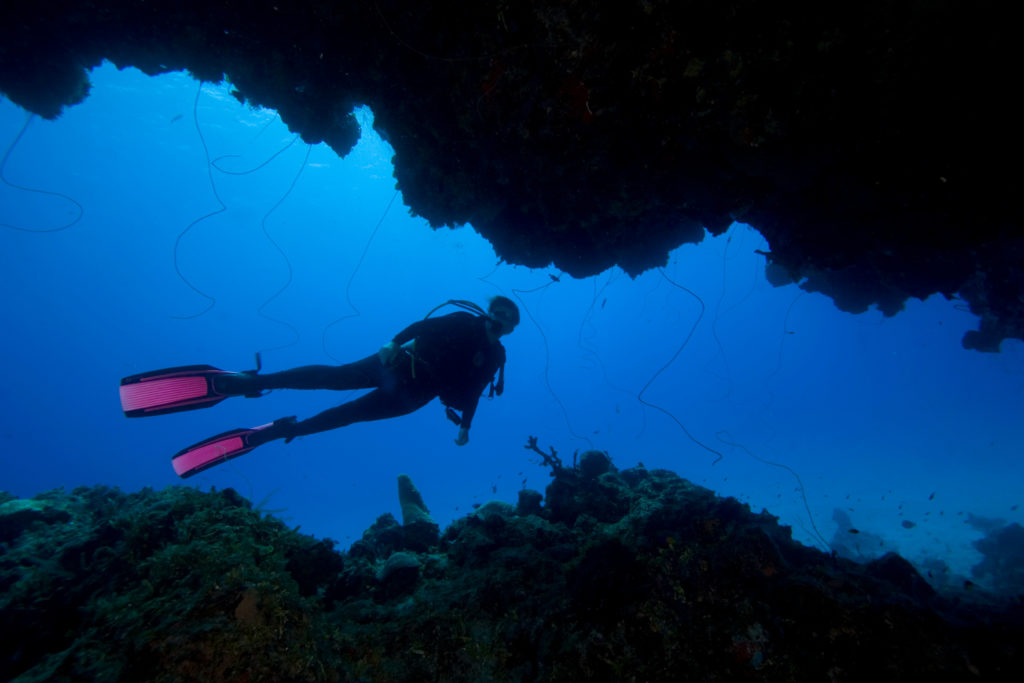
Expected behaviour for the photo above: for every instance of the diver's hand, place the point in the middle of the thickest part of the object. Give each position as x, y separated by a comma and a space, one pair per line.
387, 353
463, 438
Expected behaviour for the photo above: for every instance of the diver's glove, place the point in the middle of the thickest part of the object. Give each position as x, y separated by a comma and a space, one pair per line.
387, 353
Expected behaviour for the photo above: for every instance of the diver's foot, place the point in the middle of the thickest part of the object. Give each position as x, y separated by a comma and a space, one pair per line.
283, 428
238, 384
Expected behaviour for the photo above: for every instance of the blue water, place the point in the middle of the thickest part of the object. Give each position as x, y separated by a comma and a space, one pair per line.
163, 268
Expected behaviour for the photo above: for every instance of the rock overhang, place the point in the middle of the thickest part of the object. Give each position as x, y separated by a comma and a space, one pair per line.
864, 143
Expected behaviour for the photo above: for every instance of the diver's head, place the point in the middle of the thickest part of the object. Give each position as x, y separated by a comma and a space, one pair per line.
502, 315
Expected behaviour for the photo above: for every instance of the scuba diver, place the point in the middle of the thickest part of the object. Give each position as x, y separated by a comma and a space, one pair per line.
454, 357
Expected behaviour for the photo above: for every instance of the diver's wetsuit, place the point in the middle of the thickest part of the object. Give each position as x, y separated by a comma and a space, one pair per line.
451, 358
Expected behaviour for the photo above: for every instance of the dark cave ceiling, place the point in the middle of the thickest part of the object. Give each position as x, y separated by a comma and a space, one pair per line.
868, 142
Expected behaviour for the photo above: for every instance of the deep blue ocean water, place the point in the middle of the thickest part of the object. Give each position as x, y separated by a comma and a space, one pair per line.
172, 261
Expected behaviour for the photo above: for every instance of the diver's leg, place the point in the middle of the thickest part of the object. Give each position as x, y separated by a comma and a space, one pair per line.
376, 405
363, 374
379, 404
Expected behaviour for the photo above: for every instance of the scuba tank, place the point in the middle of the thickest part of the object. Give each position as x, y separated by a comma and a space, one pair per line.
497, 388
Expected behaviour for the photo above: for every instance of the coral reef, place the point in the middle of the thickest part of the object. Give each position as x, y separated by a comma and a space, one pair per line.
618, 575
1002, 565
173, 585
419, 529
862, 140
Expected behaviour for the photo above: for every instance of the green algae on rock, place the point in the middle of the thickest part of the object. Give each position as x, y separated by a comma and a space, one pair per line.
619, 575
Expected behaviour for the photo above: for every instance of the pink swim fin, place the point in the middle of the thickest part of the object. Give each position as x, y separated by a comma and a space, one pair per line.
215, 450
186, 387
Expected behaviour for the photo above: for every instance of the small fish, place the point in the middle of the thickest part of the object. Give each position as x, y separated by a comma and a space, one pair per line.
853, 531
932, 497
177, 117
907, 524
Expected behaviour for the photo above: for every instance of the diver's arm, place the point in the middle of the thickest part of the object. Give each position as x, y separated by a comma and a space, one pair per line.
467, 414
419, 328
467, 418
389, 351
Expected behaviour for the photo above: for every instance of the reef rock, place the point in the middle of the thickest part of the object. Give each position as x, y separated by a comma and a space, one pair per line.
628, 575
418, 527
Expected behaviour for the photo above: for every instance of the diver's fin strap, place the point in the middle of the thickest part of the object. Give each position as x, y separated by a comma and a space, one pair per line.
239, 384
259, 366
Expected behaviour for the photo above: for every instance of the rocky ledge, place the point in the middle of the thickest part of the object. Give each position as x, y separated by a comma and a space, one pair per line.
871, 143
